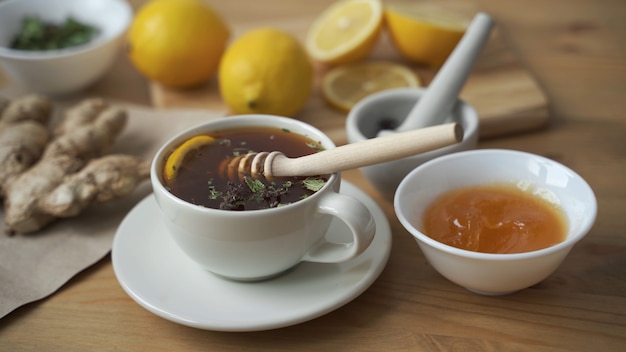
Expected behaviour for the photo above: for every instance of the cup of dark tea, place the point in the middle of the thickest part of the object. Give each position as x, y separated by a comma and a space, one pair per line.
252, 228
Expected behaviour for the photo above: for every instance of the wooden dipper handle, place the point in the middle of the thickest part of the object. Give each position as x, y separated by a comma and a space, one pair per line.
368, 152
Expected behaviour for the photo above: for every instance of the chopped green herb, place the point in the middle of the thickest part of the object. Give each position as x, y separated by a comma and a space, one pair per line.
313, 184
256, 186
241, 151
38, 35
214, 194
315, 146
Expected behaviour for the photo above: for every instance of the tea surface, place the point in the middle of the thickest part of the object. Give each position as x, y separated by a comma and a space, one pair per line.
200, 182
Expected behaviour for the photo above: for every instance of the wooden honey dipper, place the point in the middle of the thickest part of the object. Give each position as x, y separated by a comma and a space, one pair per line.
349, 156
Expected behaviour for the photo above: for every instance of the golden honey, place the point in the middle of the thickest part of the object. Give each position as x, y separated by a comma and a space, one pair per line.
495, 218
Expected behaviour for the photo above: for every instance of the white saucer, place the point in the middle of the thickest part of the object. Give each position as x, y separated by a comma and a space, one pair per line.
157, 275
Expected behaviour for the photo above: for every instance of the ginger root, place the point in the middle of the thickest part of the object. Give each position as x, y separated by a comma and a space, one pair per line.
102, 180
72, 172
23, 134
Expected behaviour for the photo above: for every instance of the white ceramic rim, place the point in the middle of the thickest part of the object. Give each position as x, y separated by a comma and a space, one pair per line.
467, 111
568, 242
249, 120
126, 13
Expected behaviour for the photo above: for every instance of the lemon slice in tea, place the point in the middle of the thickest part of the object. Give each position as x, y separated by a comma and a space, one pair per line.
174, 160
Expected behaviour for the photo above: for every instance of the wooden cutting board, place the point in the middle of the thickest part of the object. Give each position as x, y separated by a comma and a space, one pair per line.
505, 95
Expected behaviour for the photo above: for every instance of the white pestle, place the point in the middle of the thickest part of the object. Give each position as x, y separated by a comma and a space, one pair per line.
442, 93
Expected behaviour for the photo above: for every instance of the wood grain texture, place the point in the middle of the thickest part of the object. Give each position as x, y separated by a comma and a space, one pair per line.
573, 50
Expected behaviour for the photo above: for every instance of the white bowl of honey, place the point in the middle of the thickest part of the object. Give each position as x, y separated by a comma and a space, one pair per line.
495, 221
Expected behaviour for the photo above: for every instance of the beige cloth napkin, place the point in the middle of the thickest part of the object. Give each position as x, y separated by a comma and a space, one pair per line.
34, 266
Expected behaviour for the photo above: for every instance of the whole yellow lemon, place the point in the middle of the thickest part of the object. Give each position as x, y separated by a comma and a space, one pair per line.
266, 71
177, 43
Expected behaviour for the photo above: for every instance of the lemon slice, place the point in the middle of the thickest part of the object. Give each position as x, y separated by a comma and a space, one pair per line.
425, 34
345, 32
344, 86
174, 160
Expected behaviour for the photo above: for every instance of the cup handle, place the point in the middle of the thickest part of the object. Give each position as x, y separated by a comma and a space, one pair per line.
358, 219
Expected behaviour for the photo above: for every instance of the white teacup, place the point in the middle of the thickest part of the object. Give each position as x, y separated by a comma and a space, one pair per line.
258, 244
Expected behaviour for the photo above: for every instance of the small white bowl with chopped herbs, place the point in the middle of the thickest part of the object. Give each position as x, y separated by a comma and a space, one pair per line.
58, 47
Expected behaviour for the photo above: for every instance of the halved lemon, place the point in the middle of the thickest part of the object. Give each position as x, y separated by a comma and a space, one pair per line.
344, 86
174, 160
423, 33
345, 32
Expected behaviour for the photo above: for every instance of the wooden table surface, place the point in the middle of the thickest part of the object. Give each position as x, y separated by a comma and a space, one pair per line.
576, 50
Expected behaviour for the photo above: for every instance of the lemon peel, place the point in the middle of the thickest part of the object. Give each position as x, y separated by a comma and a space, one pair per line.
174, 160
